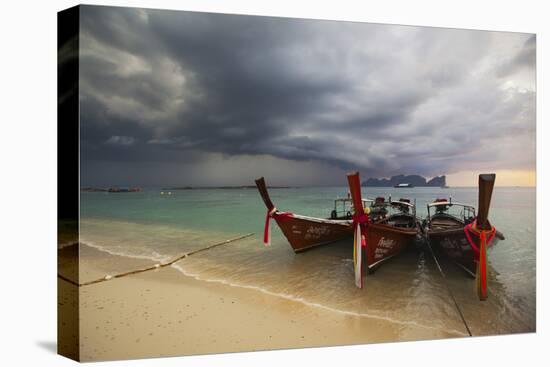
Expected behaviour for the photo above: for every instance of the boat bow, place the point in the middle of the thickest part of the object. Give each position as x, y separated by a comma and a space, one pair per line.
484, 230
271, 210
302, 232
360, 226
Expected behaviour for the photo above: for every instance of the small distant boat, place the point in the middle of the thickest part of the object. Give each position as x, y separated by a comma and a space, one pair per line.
303, 232
464, 238
380, 233
402, 185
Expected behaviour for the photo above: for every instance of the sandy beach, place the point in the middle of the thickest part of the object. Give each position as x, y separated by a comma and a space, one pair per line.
166, 313
244, 296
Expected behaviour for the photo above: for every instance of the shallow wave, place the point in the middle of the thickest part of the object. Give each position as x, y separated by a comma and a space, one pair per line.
154, 256
313, 304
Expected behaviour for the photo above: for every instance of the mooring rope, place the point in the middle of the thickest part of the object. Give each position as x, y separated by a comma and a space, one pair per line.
449, 289
156, 266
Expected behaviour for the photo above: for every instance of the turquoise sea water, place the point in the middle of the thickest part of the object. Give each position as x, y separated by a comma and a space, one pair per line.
407, 289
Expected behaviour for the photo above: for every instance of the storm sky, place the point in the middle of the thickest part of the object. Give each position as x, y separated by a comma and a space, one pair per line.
183, 98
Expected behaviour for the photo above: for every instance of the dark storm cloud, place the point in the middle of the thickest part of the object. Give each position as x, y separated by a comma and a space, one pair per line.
177, 87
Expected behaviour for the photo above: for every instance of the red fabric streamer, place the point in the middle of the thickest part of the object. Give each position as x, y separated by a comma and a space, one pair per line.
482, 267
360, 225
473, 227
363, 220
273, 213
480, 254
267, 237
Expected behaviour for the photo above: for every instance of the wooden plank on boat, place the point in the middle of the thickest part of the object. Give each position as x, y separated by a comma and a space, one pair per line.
486, 184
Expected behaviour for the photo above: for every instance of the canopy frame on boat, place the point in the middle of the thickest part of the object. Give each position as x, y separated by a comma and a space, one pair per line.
468, 214
349, 209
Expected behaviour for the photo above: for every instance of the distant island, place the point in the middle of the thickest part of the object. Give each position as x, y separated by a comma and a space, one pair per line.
406, 181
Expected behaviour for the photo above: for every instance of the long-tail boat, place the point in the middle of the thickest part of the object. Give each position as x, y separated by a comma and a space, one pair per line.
464, 238
303, 232
377, 232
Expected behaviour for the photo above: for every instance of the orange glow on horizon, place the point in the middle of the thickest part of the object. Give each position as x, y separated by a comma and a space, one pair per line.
524, 178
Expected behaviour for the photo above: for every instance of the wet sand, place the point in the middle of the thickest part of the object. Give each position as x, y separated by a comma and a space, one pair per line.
165, 313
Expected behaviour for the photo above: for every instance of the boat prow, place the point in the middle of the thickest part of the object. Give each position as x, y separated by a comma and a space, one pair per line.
384, 234
303, 232
465, 239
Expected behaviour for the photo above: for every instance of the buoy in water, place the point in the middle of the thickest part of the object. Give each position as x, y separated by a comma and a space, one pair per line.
162, 192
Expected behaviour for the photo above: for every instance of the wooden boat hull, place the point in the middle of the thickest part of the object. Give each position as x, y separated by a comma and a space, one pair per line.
385, 241
465, 239
306, 232
454, 245
302, 232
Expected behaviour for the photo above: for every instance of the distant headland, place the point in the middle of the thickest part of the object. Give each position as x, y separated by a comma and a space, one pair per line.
406, 181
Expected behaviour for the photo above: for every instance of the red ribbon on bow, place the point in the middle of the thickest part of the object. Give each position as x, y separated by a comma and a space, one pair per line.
362, 220
473, 227
480, 253
360, 226
271, 213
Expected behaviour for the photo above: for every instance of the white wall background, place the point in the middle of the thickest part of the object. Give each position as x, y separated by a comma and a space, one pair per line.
28, 65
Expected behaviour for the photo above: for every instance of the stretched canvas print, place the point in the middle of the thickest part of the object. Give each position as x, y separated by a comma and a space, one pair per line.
239, 183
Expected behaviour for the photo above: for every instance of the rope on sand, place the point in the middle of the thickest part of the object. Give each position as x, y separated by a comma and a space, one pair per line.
156, 266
